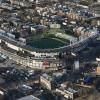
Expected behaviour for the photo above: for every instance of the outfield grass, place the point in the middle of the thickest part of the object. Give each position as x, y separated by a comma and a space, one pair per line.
46, 43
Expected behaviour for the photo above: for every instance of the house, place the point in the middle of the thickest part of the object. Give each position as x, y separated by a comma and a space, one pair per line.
68, 93
47, 81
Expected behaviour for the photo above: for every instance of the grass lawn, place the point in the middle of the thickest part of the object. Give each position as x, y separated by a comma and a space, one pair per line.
46, 43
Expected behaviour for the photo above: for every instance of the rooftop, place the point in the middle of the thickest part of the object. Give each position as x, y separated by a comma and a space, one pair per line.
30, 97
47, 76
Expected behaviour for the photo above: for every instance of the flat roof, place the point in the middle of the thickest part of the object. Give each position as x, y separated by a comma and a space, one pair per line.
30, 97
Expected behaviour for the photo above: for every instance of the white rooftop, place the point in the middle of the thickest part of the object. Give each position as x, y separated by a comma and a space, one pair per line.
30, 97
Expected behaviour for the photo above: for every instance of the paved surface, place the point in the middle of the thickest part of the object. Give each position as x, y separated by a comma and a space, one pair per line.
11, 63
66, 36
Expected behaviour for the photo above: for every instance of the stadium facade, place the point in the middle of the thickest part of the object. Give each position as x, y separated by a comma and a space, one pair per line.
41, 58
